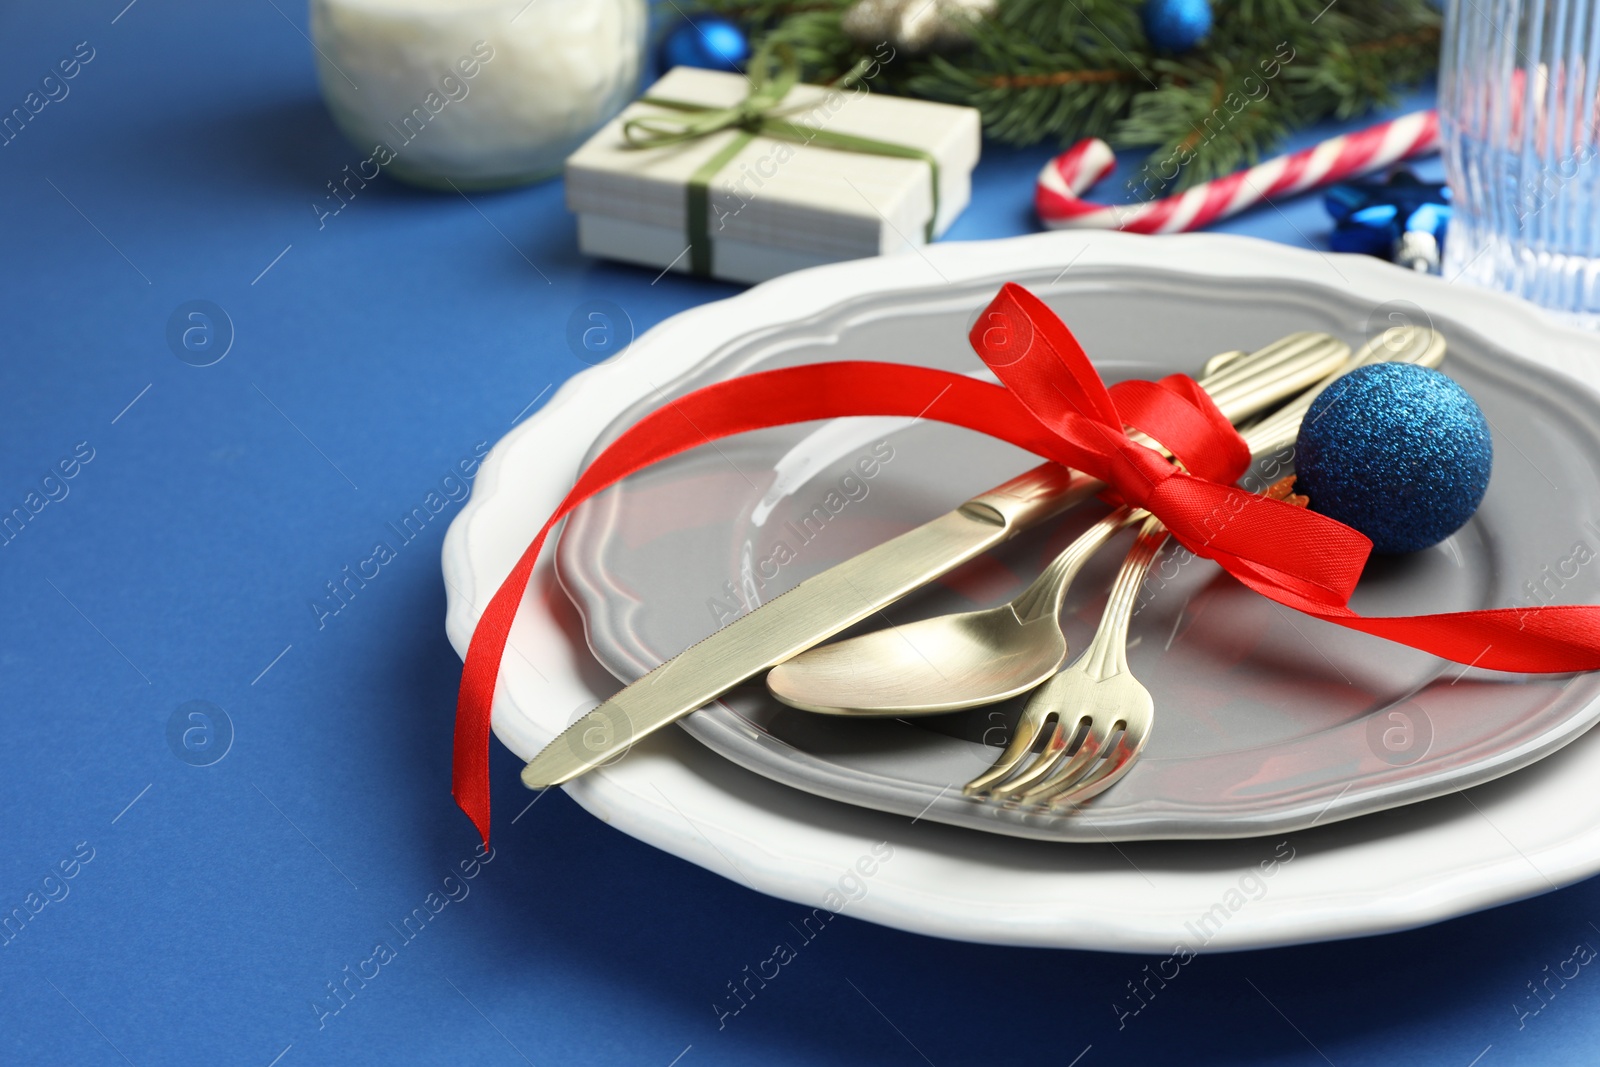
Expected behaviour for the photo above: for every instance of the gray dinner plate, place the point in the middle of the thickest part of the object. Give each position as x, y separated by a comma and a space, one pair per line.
1266, 720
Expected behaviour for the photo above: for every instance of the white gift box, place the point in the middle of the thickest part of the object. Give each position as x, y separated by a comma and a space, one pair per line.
777, 204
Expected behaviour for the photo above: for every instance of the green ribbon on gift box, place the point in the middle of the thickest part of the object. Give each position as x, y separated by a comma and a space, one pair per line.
759, 114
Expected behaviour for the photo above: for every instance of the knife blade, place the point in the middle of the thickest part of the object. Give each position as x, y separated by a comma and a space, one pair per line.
826, 604
814, 610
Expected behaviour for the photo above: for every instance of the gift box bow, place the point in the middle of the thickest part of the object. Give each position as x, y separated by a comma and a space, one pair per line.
1052, 402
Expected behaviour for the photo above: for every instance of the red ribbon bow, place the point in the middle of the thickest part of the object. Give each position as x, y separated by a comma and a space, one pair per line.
1052, 403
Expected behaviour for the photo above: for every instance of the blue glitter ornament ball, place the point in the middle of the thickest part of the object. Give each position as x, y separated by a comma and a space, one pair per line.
1400, 452
710, 43
1176, 25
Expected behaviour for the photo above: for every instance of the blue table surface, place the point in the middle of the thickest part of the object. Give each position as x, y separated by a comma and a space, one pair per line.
208, 908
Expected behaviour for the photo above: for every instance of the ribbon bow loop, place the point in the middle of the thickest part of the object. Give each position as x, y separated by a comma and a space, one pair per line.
771, 74
1033, 353
1043, 366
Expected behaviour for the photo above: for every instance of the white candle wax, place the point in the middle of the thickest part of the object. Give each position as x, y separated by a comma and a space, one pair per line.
478, 93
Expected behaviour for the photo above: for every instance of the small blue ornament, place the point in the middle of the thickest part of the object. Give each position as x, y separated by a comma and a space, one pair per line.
707, 42
1400, 452
1176, 25
1402, 219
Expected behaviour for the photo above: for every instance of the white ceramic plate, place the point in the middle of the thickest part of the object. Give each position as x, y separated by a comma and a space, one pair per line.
1513, 838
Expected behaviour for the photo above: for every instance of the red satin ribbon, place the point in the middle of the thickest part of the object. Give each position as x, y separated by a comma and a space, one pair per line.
1052, 403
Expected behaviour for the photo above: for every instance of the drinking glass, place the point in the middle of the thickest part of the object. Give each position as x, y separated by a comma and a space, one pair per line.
1518, 88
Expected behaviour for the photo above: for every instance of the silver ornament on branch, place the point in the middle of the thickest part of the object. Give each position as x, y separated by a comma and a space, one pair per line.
1418, 250
915, 26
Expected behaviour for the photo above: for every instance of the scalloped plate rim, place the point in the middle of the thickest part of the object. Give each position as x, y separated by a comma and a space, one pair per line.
674, 794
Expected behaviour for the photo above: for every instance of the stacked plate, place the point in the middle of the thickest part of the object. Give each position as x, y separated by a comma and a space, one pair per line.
1341, 785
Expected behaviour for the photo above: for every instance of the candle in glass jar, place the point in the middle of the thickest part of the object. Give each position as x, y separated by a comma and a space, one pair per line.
476, 93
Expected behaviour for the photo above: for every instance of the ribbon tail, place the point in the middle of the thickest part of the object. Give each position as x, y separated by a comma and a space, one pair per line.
1553, 639
756, 401
1556, 639
1312, 559
469, 777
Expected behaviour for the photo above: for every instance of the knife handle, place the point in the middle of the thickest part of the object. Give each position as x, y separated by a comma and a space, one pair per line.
1241, 387
1031, 497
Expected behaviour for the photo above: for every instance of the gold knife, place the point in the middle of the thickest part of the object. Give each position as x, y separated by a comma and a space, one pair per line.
838, 598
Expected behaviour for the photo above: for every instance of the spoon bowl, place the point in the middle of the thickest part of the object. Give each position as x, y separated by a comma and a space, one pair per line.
925, 668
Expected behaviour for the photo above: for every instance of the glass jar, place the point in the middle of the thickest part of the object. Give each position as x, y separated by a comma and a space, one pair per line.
475, 93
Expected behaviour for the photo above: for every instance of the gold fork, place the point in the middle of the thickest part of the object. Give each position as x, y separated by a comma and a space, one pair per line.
1093, 700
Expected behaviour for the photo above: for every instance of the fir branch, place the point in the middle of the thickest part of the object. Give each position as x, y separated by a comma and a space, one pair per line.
760, 12
1221, 120
1059, 77
1061, 70
818, 42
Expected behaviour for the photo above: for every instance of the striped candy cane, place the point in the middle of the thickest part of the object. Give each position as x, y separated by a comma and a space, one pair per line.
1065, 178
